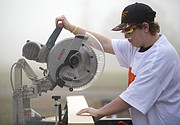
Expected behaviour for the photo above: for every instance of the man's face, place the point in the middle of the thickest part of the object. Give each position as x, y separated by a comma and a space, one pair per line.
136, 36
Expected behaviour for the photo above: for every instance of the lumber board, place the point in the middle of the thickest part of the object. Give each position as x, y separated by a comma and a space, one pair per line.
75, 104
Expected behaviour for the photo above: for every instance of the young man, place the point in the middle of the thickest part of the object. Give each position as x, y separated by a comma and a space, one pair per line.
153, 93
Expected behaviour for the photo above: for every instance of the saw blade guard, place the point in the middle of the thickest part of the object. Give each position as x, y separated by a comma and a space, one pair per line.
76, 62
100, 56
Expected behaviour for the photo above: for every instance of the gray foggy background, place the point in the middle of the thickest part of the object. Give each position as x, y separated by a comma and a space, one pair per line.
22, 20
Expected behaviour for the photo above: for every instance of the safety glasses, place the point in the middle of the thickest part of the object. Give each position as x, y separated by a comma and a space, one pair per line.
129, 30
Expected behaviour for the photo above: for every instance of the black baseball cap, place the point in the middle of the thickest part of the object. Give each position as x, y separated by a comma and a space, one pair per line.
135, 13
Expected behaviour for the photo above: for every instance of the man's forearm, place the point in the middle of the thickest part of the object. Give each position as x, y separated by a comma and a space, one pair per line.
105, 41
115, 106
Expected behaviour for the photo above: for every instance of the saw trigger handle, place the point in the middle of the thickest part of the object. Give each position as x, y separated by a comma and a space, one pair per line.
52, 39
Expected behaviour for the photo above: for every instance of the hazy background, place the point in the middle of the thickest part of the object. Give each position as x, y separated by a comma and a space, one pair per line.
21, 20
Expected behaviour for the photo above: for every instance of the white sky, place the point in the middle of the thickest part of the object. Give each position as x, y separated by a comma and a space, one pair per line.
21, 20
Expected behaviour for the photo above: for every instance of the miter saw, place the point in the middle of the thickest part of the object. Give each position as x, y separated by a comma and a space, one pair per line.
74, 63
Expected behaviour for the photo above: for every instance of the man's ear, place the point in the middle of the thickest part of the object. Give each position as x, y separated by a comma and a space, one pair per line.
145, 26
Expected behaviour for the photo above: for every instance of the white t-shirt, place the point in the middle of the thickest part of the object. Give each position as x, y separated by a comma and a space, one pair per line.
154, 82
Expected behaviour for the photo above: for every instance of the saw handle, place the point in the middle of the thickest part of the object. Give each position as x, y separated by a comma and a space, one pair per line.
52, 39
60, 25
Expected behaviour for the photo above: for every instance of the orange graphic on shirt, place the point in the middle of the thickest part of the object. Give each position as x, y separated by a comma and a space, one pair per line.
131, 76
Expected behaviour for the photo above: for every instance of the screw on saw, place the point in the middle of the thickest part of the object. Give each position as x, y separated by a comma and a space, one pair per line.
74, 59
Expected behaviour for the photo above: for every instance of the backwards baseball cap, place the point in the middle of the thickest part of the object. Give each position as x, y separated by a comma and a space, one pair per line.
135, 13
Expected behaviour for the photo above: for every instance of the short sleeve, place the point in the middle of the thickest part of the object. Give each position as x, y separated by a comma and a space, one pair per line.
143, 91
123, 51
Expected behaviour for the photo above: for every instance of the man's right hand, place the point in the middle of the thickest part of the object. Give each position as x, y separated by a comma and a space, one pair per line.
65, 23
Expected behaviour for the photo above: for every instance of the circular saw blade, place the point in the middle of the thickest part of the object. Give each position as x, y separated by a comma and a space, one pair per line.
82, 73
76, 62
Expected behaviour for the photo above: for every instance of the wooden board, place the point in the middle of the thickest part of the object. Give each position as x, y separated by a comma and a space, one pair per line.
75, 104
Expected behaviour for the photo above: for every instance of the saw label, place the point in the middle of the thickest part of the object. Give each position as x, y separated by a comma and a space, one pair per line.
61, 54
